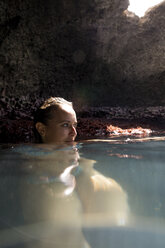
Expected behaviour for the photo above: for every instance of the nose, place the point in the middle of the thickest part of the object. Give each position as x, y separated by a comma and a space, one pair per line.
73, 131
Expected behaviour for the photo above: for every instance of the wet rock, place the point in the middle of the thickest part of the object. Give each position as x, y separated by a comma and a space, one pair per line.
16, 120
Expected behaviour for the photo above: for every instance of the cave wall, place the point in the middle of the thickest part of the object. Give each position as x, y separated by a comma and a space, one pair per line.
88, 51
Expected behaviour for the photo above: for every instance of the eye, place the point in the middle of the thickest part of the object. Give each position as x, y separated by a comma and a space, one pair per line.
65, 124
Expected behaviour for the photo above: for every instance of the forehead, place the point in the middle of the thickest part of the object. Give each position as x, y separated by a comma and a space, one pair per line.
64, 112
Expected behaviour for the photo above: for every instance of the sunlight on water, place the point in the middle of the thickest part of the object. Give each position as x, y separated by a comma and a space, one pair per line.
86, 194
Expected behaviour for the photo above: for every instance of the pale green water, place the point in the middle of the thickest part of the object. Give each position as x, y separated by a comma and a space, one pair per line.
90, 194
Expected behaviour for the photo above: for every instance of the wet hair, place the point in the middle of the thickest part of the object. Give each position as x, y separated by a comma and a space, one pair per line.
46, 112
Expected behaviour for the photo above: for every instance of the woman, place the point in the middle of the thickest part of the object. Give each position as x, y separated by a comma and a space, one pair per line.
102, 199
55, 121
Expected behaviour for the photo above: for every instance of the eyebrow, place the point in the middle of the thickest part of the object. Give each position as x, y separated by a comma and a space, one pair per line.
67, 121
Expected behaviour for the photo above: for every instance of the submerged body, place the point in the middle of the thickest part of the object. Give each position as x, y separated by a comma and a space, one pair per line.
60, 193
62, 199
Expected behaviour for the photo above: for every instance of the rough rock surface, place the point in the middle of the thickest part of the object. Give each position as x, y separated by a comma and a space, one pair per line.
92, 52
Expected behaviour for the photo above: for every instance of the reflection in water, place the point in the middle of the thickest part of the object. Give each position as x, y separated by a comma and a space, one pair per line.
119, 155
59, 193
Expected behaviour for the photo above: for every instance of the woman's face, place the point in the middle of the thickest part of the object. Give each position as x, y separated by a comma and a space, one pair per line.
61, 128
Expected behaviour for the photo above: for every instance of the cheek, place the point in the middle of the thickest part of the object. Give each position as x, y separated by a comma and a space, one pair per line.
52, 132
58, 132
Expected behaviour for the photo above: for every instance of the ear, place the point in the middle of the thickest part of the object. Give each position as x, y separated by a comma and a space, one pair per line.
41, 128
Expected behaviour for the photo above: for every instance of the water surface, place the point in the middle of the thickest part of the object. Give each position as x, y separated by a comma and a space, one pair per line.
100, 193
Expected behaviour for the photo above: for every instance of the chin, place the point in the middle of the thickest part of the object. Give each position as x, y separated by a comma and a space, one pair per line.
71, 139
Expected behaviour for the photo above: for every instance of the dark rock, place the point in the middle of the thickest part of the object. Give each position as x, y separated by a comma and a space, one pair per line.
16, 119
92, 52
